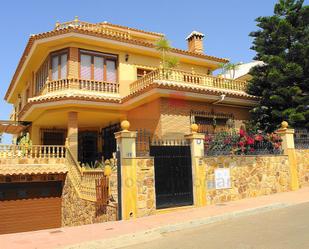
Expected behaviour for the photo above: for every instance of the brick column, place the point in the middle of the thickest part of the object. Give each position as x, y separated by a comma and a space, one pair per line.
198, 168
287, 136
73, 133
73, 63
126, 145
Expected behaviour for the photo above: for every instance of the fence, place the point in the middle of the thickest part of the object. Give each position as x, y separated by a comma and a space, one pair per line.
143, 142
232, 143
301, 139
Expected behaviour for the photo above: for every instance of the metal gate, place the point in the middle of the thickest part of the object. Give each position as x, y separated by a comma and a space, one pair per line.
173, 173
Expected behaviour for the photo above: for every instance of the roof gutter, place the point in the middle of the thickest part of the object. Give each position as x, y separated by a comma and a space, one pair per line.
222, 97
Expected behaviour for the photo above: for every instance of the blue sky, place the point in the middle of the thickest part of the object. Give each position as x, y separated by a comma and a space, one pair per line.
225, 23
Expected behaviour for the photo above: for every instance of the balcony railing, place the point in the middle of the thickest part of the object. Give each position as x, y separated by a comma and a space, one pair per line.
31, 152
97, 27
175, 75
80, 84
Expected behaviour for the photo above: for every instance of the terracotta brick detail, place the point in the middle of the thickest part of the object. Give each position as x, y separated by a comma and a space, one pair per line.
73, 132
73, 63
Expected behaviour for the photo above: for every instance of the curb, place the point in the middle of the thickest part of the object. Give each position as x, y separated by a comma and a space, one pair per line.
156, 233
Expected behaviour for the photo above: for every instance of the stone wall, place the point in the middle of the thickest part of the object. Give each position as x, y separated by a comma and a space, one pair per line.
302, 157
145, 187
76, 211
251, 176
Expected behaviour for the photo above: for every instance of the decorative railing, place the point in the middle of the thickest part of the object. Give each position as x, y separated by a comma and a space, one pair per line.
175, 75
33, 152
80, 84
232, 143
97, 27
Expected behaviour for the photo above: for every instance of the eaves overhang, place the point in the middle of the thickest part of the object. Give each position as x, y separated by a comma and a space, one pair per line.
34, 40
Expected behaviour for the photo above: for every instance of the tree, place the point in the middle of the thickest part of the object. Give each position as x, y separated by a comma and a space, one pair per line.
282, 83
163, 46
230, 68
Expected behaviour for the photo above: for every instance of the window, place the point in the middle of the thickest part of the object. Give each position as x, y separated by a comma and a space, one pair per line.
141, 72
111, 71
59, 65
41, 76
98, 66
85, 67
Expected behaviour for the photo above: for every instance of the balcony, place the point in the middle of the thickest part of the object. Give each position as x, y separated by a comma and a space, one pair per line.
179, 78
79, 84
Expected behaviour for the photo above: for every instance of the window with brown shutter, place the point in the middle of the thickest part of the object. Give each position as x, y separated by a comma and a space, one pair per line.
98, 66
59, 61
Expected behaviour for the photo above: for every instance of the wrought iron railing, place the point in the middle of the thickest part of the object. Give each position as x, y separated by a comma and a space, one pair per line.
231, 143
301, 139
175, 75
169, 142
142, 142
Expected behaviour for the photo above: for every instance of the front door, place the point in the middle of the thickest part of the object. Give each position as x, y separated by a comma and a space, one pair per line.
88, 147
173, 175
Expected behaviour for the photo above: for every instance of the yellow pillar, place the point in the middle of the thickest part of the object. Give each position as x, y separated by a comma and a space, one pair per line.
198, 168
127, 146
73, 133
287, 136
35, 135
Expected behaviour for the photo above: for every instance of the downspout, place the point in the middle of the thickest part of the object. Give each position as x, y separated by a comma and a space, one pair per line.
222, 97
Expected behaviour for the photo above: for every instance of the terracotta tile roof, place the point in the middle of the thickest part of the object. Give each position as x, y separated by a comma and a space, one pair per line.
191, 88
93, 32
32, 169
77, 94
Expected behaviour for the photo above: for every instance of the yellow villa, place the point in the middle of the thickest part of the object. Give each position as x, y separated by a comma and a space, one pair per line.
73, 88
81, 79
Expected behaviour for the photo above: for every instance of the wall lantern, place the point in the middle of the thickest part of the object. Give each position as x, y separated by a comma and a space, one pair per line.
127, 57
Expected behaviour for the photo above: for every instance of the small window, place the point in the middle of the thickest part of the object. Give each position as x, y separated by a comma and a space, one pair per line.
59, 66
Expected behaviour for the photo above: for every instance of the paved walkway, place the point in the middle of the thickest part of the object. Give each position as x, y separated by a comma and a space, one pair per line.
69, 236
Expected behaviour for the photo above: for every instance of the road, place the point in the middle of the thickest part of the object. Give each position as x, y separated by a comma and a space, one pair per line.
286, 228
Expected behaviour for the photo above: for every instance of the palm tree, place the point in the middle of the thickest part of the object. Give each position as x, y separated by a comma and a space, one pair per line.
172, 61
229, 67
163, 46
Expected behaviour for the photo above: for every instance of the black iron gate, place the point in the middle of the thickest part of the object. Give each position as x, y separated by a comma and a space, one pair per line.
173, 174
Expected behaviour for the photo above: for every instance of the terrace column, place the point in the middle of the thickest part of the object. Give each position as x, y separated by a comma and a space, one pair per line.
198, 168
287, 136
73, 133
127, 171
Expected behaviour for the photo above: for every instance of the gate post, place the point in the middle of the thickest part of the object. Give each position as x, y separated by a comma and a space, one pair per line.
126, 146
198, 170
287, 136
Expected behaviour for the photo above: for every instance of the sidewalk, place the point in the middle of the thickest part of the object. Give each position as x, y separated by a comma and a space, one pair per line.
128, 232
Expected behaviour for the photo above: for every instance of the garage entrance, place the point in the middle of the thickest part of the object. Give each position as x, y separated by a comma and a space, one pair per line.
28, 206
